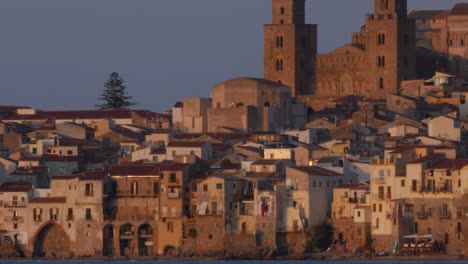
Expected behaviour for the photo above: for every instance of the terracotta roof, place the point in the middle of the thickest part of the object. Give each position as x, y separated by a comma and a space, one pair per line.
49, 200
432, 156
137, 170
20, 186
57, 158
428, 14
265, 162
460, 9
87, 114
456, 164
355, 186
31, 158
34, 170
97, 175
186, 144
252, 149
318, 171
176, 167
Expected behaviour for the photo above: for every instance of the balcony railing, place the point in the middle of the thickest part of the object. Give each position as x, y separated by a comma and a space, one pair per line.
14, 219
89, 193
444, 214
424, 214
173, 195
13, 203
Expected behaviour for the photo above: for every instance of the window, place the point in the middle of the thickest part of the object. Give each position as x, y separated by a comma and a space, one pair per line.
381, 61
205, 187
172, 178
377, 223
214, 208
279, 42
170, 227
155, 188
414, 185
15, 226
134, 188
69, 152
193, 122
192, 152
381, 176
89, 189
380, 208
70, 214
219, 186
282, 10
53, 213
374, 208
37, 214
450, 42
402, 183
88, 214
381, 83
381, 39
34, 150
416, 227
279, 64
462, 42
381, 192
389, 192
448, 173
459, 227
358, 213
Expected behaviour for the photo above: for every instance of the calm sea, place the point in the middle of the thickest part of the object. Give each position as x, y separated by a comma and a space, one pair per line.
224, 262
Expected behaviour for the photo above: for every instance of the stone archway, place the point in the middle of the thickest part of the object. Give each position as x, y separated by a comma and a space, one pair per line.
145, 240
108, 240
127, 240
51, 239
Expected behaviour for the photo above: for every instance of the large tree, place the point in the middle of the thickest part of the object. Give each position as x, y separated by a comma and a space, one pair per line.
114, 95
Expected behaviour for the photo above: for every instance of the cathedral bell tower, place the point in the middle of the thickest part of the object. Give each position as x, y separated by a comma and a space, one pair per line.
290, 47
390, 47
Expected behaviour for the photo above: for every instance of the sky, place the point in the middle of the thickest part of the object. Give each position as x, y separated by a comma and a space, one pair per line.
57, 54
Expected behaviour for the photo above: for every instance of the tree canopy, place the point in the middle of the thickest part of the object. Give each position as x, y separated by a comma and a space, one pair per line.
114, 94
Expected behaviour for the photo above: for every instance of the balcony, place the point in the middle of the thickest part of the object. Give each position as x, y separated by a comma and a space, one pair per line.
444, 215
13, 204
127, 235
424, 214
89, 193
14, 219
173, 195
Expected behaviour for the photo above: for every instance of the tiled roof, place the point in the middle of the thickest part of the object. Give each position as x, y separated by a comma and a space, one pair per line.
450, 164
57, 158
429, 157
137, 170
49, 200
87, 114
34, 170
460, 9
428, 14
175, 167
265, 162
318, 171
20, 186
186, 144
218, 147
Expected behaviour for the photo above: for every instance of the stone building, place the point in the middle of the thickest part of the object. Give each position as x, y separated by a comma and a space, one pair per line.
380, 56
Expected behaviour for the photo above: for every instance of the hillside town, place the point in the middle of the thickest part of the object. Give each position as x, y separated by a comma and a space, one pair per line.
361, 150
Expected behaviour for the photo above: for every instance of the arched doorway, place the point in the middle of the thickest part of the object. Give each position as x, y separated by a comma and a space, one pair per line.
145, 240
51, 240
127, 236
108, 241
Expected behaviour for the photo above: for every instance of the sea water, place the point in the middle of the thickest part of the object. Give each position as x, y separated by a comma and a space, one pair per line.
224, 262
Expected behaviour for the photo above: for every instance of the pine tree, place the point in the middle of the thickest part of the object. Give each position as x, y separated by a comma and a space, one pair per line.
114, 94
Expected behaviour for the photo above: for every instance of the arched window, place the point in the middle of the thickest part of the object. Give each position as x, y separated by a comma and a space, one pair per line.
282, 10
279, 42
383, 39
279, 65
381, 83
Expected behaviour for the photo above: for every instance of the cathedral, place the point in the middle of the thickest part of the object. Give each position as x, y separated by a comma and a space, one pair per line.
381, 55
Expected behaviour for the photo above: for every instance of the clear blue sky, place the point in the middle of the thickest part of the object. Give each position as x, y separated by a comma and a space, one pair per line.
56, 54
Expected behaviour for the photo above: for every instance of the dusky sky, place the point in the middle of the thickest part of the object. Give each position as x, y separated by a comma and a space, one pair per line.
56, 54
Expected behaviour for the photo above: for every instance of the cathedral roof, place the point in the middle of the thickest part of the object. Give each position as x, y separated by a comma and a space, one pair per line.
348, 48
459, 9
428, 14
